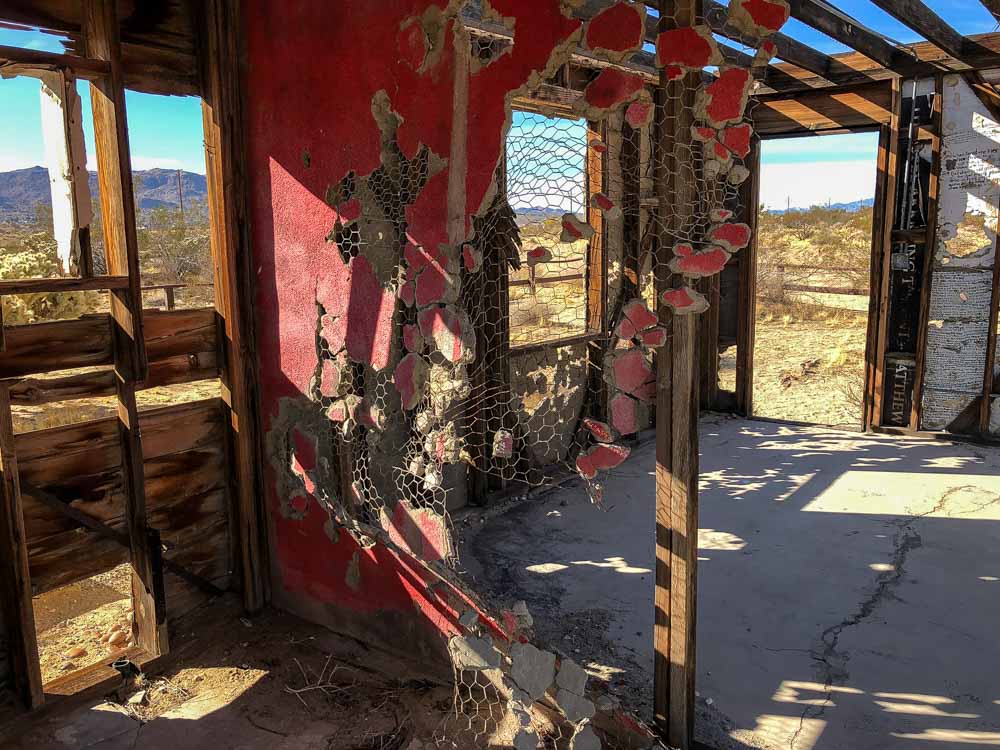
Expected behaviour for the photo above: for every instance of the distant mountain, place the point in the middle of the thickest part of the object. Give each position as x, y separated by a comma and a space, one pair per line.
22, 189
852, 207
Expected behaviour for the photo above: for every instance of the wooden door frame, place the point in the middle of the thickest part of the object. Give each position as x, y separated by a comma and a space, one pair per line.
881, 232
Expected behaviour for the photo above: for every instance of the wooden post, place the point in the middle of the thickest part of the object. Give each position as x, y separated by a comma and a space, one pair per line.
878, 306
676, 409
596, 276
15, 578
747, 298
930, 249
219, 53
114, 170
989, 381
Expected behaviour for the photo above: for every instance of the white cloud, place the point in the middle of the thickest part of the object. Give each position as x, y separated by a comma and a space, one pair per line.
11, 161
816, 183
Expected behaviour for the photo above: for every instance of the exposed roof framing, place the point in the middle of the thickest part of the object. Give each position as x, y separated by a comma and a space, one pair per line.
993, 6
916, 15
838, 25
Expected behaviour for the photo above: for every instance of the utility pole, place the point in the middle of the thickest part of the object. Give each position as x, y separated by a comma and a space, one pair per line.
180, 192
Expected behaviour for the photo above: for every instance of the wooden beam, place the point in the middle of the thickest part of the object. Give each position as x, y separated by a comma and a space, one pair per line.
15, 578
862, 107
114, 169
13, 59
747, 296
883, 219
677, 411
933, 195
61, 285
219, 53
993, 6
846, 30
917, 16
114, 174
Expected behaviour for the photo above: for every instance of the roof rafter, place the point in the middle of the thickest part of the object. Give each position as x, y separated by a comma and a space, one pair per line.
993, 6
837, 25
917, 16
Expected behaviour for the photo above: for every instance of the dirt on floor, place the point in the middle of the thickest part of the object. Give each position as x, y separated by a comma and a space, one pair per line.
84, 622
233, 681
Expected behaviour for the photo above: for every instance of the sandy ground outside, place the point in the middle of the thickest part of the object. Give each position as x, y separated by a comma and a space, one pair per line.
85, 622
806, 369
847, 588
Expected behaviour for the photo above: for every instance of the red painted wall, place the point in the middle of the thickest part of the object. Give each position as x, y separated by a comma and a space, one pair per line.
314, 68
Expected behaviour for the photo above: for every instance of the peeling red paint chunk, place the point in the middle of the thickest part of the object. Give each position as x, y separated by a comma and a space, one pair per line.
349, 211
370, 311
410, 379
598, 146
733, 237
412, 340
724, 100
472, 258
640, 315
573, 229
706, 263
539, 255
602, 202
719, 215
633, 375
426, 270
331, 375
418, 530
601, 457
721, 152
765, 16
626, 329
674, 72
684, 300
624, 414
737, 139
449, 331
639, 113
691, 47
611, 88
654, 337
600, 430
333, 330
304, 451
703, 133
616, 29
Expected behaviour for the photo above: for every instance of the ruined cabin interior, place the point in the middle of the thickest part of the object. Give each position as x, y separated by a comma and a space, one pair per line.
460, 255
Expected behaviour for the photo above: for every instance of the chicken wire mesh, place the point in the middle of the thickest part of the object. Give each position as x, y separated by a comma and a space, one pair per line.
527, 352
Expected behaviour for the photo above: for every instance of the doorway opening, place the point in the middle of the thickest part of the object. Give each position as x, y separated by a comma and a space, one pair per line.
813, 278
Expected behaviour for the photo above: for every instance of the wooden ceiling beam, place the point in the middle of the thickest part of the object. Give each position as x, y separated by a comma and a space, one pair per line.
847, 31
993, 6
916, 15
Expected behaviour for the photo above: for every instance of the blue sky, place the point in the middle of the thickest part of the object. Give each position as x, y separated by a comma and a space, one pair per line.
164, 131
814, 170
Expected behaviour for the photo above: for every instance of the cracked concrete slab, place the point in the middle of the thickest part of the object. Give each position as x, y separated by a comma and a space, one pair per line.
849, 586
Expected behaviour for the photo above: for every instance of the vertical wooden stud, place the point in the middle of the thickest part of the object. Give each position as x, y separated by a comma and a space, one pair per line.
219, 54
929, 252
101, 39
15, 578
676, 411
746, 331
882, 224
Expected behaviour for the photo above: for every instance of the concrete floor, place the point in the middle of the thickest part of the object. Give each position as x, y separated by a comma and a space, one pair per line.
848, 593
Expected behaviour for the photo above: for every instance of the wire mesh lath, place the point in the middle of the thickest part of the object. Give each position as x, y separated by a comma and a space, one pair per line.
533, 355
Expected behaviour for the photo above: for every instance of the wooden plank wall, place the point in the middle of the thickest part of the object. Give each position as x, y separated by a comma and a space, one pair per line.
184, 450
